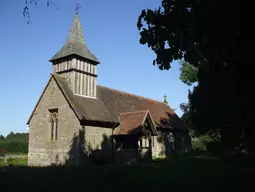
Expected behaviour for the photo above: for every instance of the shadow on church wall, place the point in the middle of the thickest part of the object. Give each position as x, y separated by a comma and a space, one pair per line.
82, 153
176, 140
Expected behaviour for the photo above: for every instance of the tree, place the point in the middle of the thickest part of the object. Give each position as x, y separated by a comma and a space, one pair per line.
15, 142
188, 73
186, 117
17, 136
198, 31
206, 34
188, 76
11, 135
28, 3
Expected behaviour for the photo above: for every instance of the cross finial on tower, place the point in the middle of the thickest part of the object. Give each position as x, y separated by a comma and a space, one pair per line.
77, 7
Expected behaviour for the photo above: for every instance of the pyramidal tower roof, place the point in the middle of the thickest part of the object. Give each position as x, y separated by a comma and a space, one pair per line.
75, 44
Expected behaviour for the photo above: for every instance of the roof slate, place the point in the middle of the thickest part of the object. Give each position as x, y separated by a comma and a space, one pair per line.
75, 44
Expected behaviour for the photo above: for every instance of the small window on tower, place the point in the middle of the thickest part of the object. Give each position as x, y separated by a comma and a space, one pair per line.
53, 124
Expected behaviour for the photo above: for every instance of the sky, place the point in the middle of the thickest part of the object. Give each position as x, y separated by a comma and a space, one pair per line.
110, 33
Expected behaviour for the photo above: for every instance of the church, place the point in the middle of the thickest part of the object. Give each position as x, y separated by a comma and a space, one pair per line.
77, 122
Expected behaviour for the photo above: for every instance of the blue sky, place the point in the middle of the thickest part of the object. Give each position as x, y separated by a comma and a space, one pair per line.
110, 33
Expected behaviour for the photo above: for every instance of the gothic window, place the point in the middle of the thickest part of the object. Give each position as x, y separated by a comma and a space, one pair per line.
53, 124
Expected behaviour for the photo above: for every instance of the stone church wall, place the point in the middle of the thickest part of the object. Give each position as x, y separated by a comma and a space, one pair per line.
182, 143
98, 139
163, 145
158, 148
42, 150
168, 145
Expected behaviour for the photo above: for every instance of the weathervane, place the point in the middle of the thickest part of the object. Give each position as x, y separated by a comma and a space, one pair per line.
77, 7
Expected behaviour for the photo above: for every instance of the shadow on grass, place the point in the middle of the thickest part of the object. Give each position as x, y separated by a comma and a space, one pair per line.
192, 172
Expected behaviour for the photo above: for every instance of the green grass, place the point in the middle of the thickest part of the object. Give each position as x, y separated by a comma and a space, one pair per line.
17, 153
189, 173
17, 161
2, 163
158, 158
13, 162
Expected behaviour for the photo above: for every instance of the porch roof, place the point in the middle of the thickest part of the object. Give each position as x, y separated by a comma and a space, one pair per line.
132, 122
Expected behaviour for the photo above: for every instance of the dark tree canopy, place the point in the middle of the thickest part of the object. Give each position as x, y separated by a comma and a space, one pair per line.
207, 36
198, 31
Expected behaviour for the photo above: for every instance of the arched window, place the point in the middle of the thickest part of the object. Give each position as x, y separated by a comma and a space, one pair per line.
53, 124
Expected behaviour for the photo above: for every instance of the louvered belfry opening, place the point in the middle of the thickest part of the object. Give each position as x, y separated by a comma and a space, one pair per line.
76, 63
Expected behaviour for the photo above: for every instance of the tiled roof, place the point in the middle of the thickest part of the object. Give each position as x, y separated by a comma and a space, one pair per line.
131, 121
110, 102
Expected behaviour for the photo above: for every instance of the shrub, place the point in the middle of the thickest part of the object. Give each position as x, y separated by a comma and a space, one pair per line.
2, 162
14, 146
207, 143
198, 146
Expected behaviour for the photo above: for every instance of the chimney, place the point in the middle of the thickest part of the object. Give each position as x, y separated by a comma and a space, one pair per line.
165, 101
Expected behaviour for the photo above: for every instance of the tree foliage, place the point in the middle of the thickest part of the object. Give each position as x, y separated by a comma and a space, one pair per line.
207, 36
186, 117
15, 142
29, 3
188, 73
191, 29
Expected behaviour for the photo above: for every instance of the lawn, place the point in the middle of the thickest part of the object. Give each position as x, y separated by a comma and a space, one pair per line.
190, 173
13, 161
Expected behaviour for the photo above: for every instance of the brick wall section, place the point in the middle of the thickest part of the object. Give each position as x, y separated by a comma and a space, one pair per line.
43, 151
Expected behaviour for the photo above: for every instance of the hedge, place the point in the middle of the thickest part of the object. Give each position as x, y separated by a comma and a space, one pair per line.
17, 146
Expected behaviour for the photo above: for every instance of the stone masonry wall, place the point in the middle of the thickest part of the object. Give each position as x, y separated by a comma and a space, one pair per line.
158, 148
163, 147
42, 150
98, 138
169, 145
